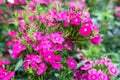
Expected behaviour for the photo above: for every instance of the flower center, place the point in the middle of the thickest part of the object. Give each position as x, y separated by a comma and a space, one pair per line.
85, 29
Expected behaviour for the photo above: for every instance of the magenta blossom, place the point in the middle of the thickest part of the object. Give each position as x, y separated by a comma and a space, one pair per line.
8, 75
49, 57
92, 74
71, 63
5, 75
66, 24
12, 34
32, 61
4, 62
18, 47
96, 39
57, 38
84, 76
102, 76
56, 65
107, 62
95, 28
58, 47
68, 44
22, 1
113, 70
41, 68
85, 30
76, 21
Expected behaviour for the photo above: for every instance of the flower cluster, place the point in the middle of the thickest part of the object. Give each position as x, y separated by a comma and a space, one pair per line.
4, 74
96, 70
67, 25
46, 40
34, 62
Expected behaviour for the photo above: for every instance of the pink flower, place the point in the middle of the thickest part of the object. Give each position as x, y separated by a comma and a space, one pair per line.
106, 61
22, 24
4, 62
41, 68
12, 34
54, 60
56, 65
59, 16
8, 75
85, 30
102, 76
95, 28
22, 1
57, 47
86, 14
84, 76
58, 58
99, 62
37, 35
10, 5
113, 70
108, 78
18, 47
4, 75
49, 57
65, 24
76, 21
96, 39
71, 63
92, 74
77, 75
31, 60
57, 38
45, 45
87, 21
68, 44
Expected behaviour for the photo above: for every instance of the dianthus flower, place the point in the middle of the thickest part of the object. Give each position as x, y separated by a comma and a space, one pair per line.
113, 70
85, 30
92, 74
32, 61
4, 74
41, 68
71, 63
96, 39
57, 38
18, 47
102, 76
68, 44
76, 21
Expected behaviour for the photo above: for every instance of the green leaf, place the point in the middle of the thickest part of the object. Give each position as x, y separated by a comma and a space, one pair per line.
18, 65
